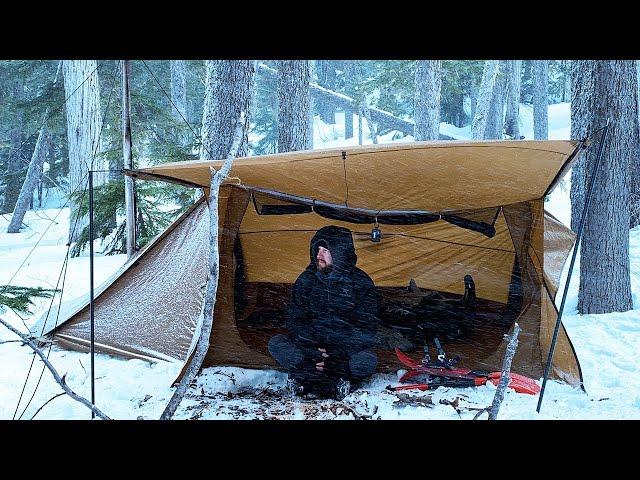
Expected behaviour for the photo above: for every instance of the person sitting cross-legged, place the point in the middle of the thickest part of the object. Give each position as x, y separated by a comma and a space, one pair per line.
332, 320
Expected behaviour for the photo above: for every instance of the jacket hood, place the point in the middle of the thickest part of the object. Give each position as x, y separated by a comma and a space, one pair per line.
339, 242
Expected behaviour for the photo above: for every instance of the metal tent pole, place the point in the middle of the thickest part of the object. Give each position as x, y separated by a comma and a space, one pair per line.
91, 303
573, 260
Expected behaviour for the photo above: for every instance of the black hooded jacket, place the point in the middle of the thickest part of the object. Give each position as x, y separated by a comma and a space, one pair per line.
339, 310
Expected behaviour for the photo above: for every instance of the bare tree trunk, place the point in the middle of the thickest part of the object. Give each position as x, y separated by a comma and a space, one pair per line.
372, 128
17, 159
511, 126
178, 90
634, 169
473, 99
214, 269
25, 198
228, 91
428, 83
327, 79
540, 99
30, 182
604, 263
293, 105
48, 154
566, 85
312, 110
583, 91
179, 107
495, 122
481, 117
83, 131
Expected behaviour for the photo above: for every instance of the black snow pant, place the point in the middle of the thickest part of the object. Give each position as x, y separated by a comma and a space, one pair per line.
300, 361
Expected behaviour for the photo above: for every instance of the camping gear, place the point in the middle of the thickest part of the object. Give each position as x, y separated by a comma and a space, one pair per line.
434, 315
446, 375
519, 384
444, 210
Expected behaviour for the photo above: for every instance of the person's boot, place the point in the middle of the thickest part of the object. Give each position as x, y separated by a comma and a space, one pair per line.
343, 388
294, 387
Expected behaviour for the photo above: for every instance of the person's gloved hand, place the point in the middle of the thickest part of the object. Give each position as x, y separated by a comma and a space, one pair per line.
325, 355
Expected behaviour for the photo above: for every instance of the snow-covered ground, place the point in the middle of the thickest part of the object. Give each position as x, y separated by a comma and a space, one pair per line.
128, 389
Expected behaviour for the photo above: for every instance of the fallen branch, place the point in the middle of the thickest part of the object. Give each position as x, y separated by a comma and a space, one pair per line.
212, 283
481, 411
348, 409
45, 404
55, 374
506, 369
404, 400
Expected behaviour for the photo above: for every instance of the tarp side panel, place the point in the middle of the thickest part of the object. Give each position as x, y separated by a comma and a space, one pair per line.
151, 309
525, 222
564, 365
558, 242
226, 346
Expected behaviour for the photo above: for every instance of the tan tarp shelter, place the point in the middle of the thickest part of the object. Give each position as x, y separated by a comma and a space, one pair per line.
446, 209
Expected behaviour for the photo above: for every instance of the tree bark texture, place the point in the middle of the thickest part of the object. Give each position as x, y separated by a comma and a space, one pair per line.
428, 84
634, 168
179, 90
604, 255
326, 78
293, 105
17, 161
83, 132
495, 122
582, 109
373, 131
229, 89
511, 124
540, 99
30, 181
485, 95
